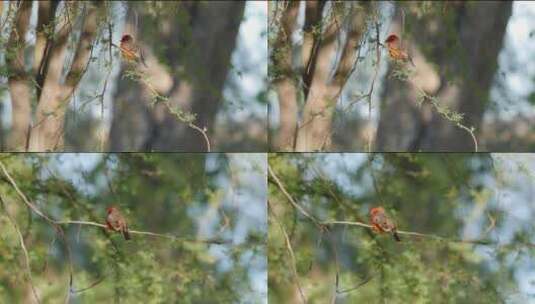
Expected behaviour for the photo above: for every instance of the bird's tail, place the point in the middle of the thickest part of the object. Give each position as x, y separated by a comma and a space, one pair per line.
410, 59
126, 234
396, 236
142, 58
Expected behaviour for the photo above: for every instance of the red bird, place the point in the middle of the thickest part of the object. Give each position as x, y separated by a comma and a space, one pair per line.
395, 50
116, 221
382, 223
130, 51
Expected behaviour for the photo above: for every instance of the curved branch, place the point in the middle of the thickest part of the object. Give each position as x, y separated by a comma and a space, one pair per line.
290, 253
168, 236
24, 249
424, 235
291, 199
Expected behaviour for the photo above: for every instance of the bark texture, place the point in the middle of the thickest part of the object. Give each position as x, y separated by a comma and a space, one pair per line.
20, 89
47, 84
47, 132
329, 29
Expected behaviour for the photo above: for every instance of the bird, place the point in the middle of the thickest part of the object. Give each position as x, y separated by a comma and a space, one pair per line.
382, 223
130, 51
116, 221
396, 52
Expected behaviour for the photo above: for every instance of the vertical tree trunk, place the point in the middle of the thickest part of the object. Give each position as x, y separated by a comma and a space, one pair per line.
315, 130
283, 78
463, 41
332, 32
19, 80
47, 132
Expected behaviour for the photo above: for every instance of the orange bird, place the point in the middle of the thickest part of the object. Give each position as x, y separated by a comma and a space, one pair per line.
130, 50
393, 44
382, 223
116, 221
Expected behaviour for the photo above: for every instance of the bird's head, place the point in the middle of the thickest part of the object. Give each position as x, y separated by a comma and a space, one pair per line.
377, 210
392, 38
126, 38
110, 209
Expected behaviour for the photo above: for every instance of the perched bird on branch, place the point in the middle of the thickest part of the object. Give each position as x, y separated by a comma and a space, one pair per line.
382, 223
130, 51
396, 52
116, 221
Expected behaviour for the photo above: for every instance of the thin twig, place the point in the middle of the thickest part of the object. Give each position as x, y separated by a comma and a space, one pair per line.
24, 198
105, 86
446, 114
323, 224
424, 235
23, 246
52, 222
168, 236
74, 291
370, 92
179, 115
291, 200
290, 253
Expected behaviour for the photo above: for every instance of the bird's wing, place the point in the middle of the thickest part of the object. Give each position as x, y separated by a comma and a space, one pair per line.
114, 222
129, 54
384, 222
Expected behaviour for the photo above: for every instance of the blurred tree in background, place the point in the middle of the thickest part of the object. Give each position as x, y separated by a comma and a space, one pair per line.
210, 219
474, 211
334, 87
64, 86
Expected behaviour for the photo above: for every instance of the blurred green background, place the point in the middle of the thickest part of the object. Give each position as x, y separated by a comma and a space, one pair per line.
191, 196
484, 198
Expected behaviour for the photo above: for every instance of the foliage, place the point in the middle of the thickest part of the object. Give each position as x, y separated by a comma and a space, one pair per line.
208, 250
468, 245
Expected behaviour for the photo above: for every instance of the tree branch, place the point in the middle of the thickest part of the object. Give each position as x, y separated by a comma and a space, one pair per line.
33, 208
47, 132
357, 27
217, 241
314, 133
290, 253
291, 199
23, 246
311, 38
323, 224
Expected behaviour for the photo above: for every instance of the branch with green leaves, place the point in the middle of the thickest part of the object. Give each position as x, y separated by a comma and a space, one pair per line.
184, 117
326, 224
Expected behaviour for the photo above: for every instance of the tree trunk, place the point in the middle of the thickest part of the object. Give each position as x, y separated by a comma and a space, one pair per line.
283, 79
200, 42
321, 78
462, 40
47, 132
19, 80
